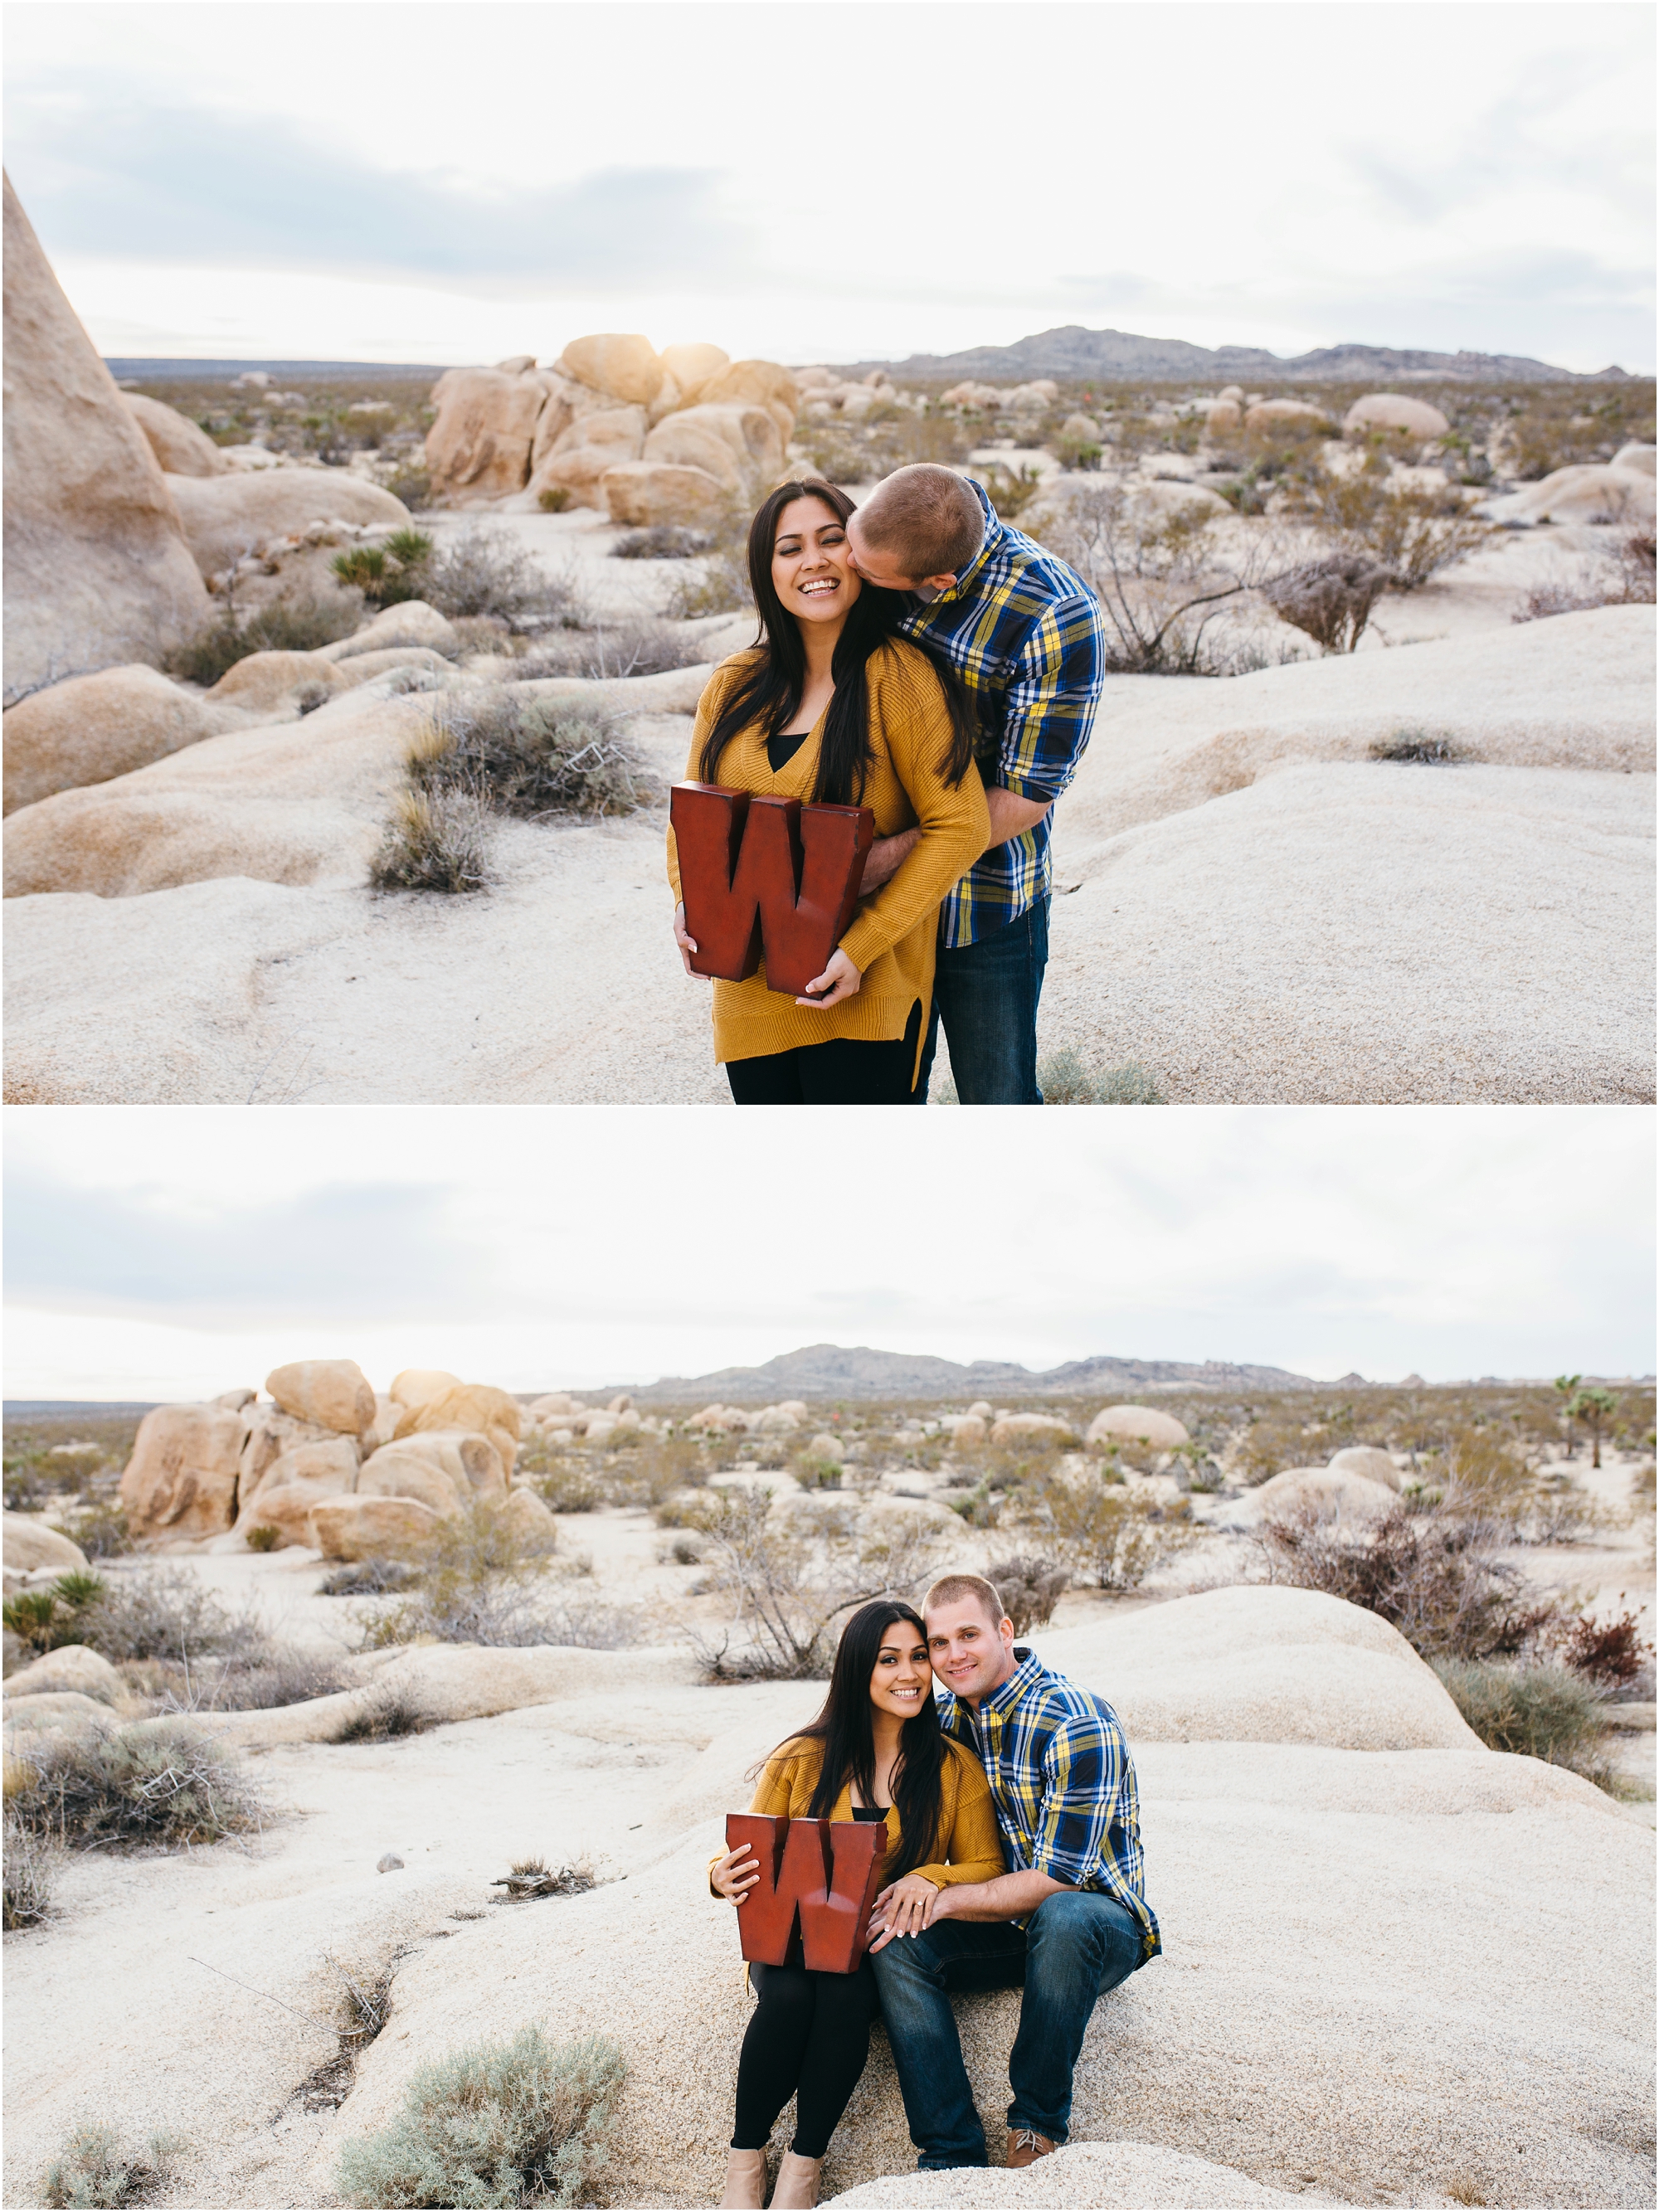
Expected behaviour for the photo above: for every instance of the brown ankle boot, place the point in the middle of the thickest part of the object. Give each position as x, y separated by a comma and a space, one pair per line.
797, 2186
746, 2180
1026, 2146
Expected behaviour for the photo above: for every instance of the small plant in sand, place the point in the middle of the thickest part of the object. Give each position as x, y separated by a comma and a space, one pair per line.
435, 841
264, 1538
1547, 1713
34, 1862
94, 2169
522, 2123
300, 624
486, 571
534, 1877
1066, 1079
526, 756
161, 1785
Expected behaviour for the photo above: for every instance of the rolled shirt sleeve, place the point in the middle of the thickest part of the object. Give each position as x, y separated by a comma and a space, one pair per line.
1054, 687
1083, 1774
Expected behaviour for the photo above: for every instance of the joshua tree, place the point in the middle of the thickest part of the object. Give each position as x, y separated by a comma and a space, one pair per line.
1566, 1386
1595, 1408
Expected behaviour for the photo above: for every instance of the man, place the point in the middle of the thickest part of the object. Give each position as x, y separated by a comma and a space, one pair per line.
1068, 1922
1023, 632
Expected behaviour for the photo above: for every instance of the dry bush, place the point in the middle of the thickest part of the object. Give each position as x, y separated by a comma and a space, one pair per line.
1612, 1654
1065, 1080
1622, 578
476, 1581
300, 624
1419, 748
634, 645
506, 2124
166, 1784
1102, 1529
533, 1878
528, 757
486, 571
367, 1579
1408, 532
33, 1863
387, 1712
157, 1613
1029, 1589
1330, 599
664, 540
435, 841
788, 1577
93, 2169
1544, 1712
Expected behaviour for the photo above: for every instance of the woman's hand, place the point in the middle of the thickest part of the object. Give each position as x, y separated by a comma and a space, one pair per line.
840, 980
735, 1873
904, 1908
688, 944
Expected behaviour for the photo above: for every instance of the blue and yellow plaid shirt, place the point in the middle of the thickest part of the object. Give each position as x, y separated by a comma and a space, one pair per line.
1023, 632
1063, 1784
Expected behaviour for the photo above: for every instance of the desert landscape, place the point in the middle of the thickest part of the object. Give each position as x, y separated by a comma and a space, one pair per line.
351, 712
358, 1672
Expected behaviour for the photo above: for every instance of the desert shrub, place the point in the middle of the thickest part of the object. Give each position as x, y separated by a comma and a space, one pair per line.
264, 1538
161, 1612
533, 1878
162, 1783
485, 571
815, 1473
280, 1678
387, 1712
1623, 578
476, 1581
1612, 1654
1542, 1712
664, 540
1065, 1080
93, 2169
636, 645
682, 1552
1438, 1577
367, 1579
718, 585
1423, 747
571, 1487
1011, 490
34, 1862
412, 485
492, 747
1104, 1530
1030, 1588
284, 625
1330, 599
436, 841
553, 499
789, 1578
521, 2122
1408, 532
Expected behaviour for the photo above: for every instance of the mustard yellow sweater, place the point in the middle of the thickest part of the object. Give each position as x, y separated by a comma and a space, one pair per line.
969, 1847
891, 939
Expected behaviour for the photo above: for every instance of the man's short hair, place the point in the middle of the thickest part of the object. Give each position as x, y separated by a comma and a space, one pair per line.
951, 1590
929, 519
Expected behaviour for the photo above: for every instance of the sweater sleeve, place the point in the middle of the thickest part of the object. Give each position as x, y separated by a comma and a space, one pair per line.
973, 1847
708, 706
915, 723
773, 1794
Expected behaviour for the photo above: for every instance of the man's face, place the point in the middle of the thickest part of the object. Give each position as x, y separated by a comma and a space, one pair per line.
971, 1654
881, 570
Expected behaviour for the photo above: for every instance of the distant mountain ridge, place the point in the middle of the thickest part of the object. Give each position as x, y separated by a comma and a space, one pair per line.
835, 1371
1072, 351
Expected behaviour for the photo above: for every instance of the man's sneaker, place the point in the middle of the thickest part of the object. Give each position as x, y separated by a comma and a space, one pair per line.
1026, 2146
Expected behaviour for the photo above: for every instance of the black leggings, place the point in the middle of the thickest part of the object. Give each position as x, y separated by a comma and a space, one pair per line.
842, 1072
809, 2039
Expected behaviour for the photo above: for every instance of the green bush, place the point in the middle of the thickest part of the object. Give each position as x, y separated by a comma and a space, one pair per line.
522, 2123
158, 1785
553, 499
93, 2170
296, 625
264, 1538
1542, 1712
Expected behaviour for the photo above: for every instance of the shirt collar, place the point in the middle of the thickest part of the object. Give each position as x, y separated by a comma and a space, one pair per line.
993, 537
1003, 1699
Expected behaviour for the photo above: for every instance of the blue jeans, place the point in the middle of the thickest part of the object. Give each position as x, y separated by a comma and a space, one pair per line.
1078, 1945
986, 995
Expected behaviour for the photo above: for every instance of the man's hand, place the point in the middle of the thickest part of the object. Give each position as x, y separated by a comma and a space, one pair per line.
884, 858
905, 1907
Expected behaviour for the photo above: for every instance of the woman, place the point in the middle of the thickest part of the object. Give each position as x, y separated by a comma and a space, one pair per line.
875, 1753
832, 706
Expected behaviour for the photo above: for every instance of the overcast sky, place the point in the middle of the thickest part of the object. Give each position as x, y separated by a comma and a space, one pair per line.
822, 179
177, 1251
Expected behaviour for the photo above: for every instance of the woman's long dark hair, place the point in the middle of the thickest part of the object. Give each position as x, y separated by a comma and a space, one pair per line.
771, 692
844, 1729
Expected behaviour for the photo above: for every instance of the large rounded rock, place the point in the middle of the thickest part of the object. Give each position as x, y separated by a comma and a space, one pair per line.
181, 1478
182, 448
529, 1520
1331, 1496
94, 727
418, 1386
226, 517
1223, 418
287, 1507
1388, 410
28, 1544
576, 461
625, 368
693, 368
967, 1430
411, 623
1283, 414
481, 437
272, 1435
334, 1393
361, 1526
1590, 493
398, 1471
1139, 1424
641, 494
477, 1405
1017, 1428
740, 446
1641, 459
757, 384
73, 1666
327, 1466
1368, 1464
261, 682
97, 567
471, 1457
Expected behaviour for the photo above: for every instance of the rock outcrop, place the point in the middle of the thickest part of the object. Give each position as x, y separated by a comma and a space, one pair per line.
226, 518
1367, 1462
335, 1394
28, 1544
1390, 411
91, 728
1139, 1424
182, 449
75, 1668
98, 570
181, 1478
364, 1527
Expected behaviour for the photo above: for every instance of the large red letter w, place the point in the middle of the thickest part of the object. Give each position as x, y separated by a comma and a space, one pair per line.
766, 872
818, 1875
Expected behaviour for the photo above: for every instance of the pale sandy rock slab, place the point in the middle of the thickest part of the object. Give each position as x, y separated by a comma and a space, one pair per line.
530, 1521
643, 494
626, 369
264, 681
1641, 459
1120, 2175
411, 623
1366, 1461
593, 443
1590, 493
91, 728
181, 1478
1390, 411
693, 367
74, 1666
362, 1527
395, 1472
226, 517
419, 1386
97, 567
181, 446
480, 439
333, 1393
1141, 1424
287, 1506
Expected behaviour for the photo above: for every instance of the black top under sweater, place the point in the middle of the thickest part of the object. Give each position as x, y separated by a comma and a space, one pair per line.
781, 750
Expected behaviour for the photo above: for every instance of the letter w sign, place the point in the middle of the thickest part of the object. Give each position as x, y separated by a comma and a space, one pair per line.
818, 1878
766, 874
